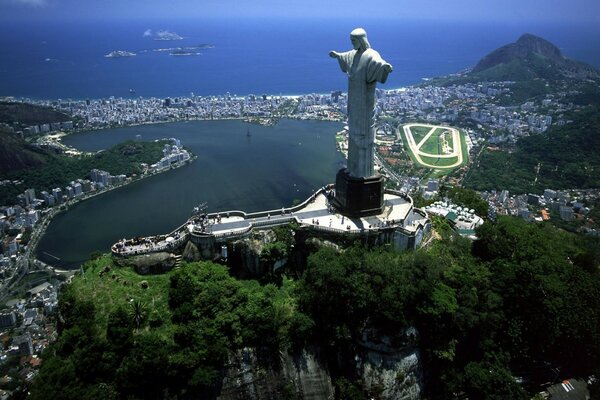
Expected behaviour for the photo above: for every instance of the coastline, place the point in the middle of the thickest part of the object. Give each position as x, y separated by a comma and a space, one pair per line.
29, 261
72, 255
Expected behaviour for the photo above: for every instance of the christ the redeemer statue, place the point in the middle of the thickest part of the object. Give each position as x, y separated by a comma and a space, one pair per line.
358, 190
364, 67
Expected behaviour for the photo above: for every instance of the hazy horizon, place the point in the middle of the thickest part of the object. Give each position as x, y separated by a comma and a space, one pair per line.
510, 11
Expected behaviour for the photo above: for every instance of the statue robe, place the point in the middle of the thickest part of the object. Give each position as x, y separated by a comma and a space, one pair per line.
364, 70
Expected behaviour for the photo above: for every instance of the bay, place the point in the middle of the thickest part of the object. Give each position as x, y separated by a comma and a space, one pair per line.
268, 170
50, 59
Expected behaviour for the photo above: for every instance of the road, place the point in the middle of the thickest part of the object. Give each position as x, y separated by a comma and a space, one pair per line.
390, 174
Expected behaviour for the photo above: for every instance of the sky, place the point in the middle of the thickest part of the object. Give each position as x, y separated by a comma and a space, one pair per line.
552, 11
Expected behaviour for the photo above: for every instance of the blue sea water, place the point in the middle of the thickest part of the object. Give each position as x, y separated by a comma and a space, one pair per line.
48, 60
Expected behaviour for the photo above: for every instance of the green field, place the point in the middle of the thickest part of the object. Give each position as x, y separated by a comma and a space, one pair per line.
433, 145
117, 287
439, 162
419, 132
407, 147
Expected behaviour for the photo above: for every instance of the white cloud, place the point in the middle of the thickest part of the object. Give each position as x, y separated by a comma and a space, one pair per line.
147, 32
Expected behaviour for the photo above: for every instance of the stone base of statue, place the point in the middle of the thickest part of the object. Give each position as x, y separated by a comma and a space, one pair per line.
358, 197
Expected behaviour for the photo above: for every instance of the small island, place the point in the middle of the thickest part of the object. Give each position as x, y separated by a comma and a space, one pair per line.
166, 35
119, 54
184, 52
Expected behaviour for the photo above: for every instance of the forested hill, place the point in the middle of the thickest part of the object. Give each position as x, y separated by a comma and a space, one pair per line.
521, 301
533, 63
16, 154
124, 158
29, 114
528, 58
565, 157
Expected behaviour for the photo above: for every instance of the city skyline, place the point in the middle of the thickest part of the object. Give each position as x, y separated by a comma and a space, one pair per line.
513, 11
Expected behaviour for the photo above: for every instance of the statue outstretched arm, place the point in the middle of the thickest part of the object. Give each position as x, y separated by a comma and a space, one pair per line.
344, 59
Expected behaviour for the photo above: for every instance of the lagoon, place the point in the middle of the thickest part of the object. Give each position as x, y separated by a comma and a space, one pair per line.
267, 170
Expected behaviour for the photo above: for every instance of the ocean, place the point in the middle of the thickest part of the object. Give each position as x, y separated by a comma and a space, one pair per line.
50, 60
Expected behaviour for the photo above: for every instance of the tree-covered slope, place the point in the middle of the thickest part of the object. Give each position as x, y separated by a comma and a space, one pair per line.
59, 170
16, 154
562, 158
29, 114
521, 296
530, 57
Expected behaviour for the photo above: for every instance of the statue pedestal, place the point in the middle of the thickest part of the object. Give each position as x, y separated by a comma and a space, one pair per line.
358, 197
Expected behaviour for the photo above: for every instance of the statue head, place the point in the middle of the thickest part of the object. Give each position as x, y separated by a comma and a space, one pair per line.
358, 37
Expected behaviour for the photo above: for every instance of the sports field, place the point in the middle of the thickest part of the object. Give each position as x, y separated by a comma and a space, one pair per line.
434, 146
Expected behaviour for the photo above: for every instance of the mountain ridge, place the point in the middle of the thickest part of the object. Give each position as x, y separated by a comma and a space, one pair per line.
535, 57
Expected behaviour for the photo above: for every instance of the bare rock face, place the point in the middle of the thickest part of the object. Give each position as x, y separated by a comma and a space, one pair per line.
391, 370
191, 252
394, 376
318, 243
245, 254
289, 377
152, 263
388, 372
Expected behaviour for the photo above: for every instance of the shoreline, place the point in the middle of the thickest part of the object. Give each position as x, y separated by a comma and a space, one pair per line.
29, 260
292, 96
58, 136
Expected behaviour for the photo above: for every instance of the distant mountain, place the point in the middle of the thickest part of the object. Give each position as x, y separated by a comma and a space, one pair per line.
531, 57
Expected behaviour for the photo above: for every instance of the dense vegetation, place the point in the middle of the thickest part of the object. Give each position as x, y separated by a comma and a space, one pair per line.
468, 198
127, 336
566, 156
59, 170
16, 154
520, 301
29, 114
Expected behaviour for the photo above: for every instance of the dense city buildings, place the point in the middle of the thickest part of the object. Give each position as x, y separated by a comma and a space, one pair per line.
474, 108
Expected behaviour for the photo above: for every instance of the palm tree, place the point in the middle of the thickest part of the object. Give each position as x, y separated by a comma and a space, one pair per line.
137, 312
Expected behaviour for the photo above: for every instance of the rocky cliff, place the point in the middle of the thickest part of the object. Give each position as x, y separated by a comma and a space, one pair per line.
288, 377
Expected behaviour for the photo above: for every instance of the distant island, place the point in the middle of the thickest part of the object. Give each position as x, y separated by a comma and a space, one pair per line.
119, 53
188, 50
184, 52
166, 35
